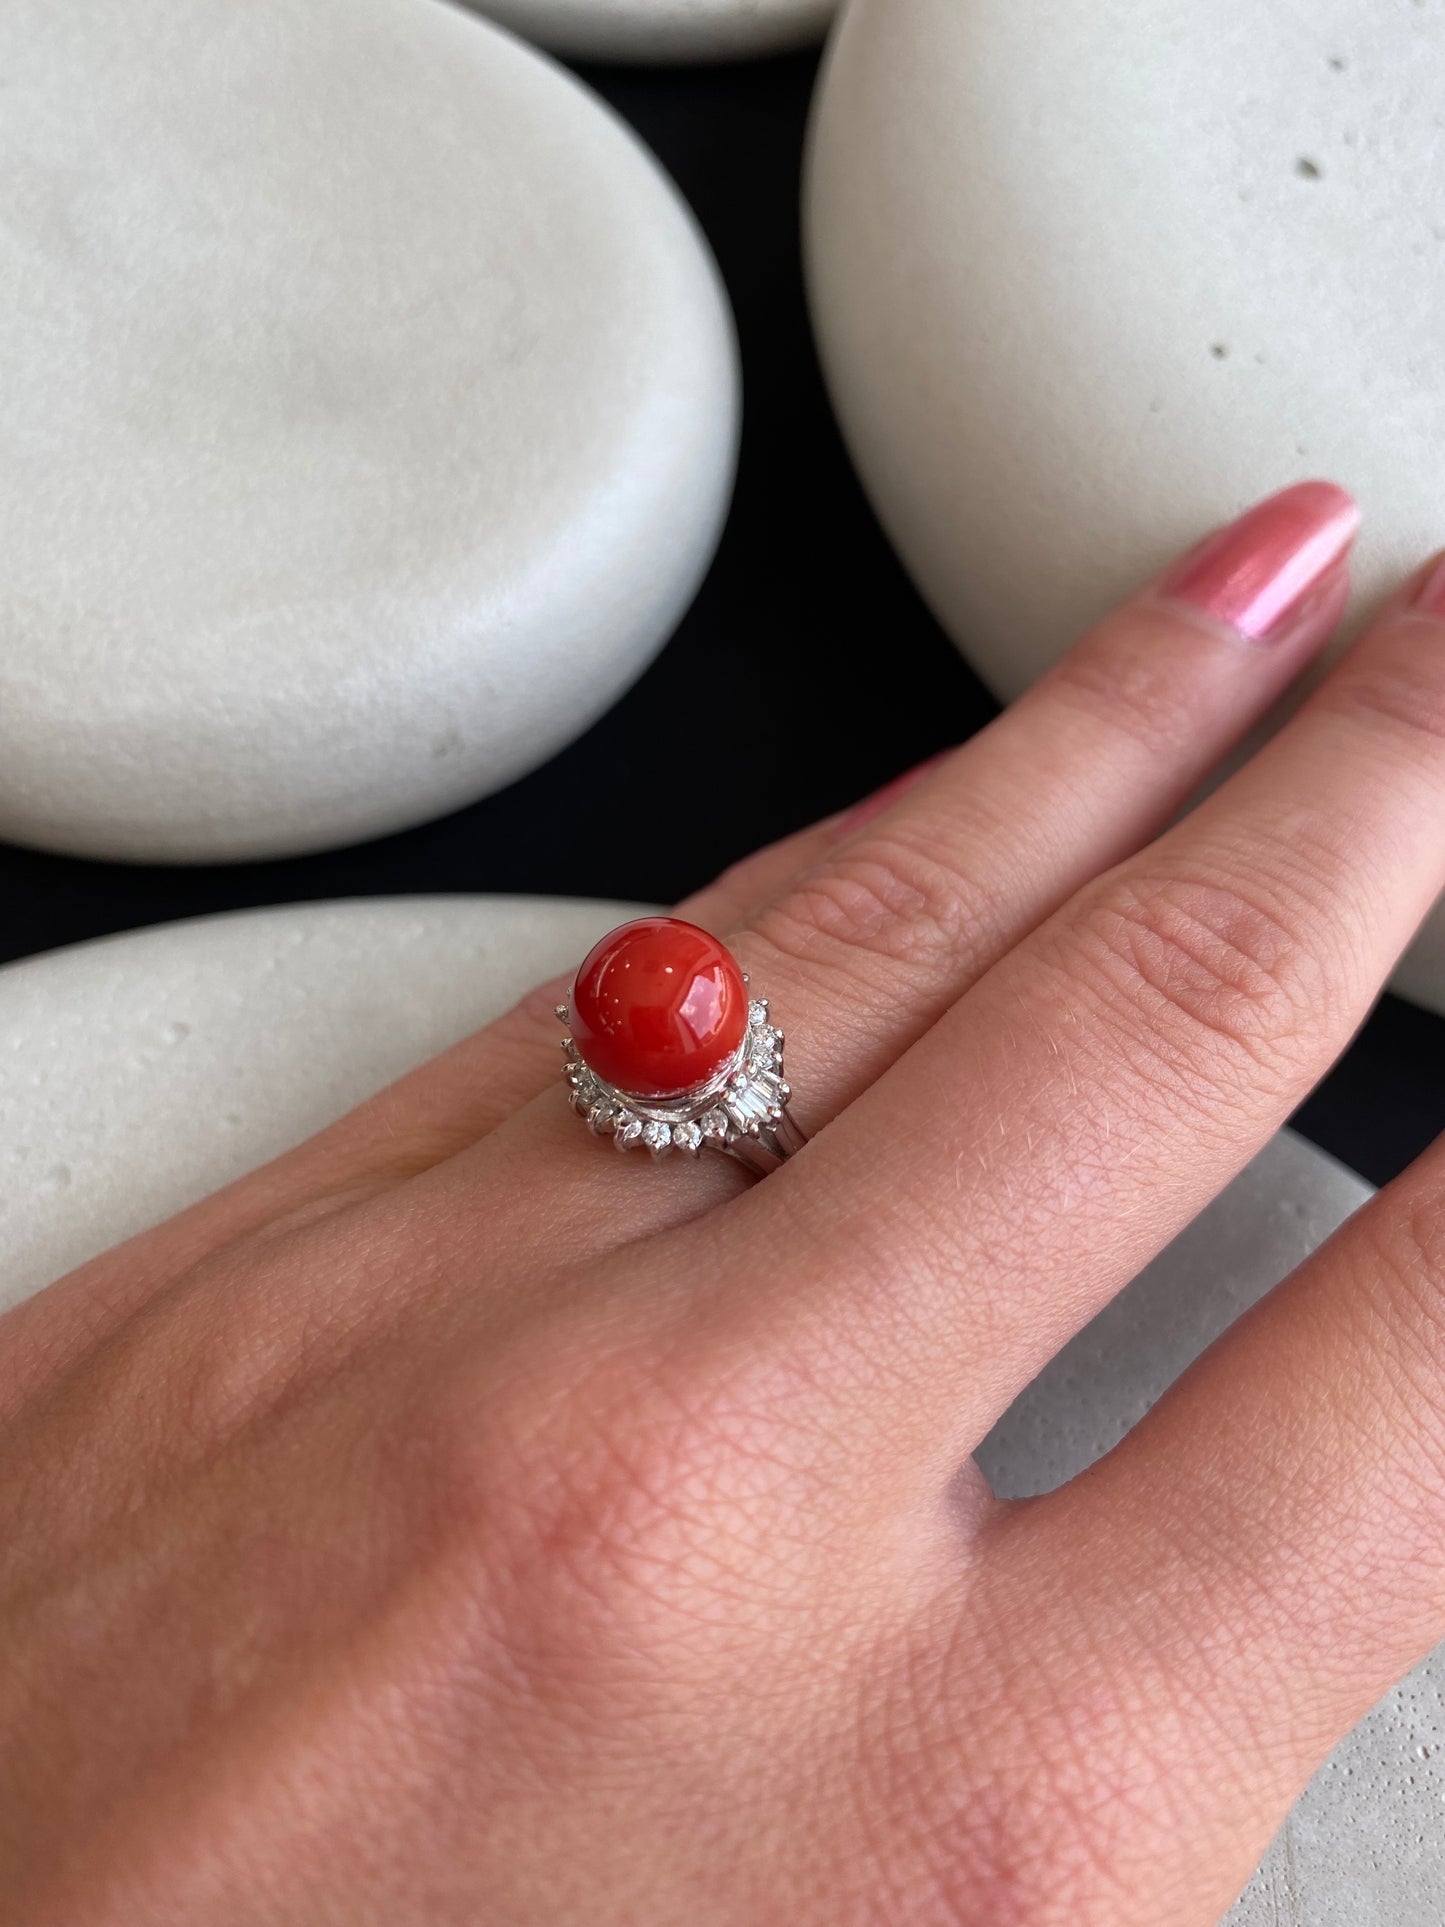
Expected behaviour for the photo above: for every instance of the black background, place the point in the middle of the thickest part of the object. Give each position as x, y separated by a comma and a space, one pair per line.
805, 604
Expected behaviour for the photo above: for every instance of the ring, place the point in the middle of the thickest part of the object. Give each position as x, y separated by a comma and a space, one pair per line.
666, 1051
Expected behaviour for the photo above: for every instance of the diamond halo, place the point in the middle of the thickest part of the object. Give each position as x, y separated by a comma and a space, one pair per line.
738, 1110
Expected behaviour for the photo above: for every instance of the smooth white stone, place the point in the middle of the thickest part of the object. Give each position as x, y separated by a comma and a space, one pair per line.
138, 1073
663, 30
368, 419
1034, 224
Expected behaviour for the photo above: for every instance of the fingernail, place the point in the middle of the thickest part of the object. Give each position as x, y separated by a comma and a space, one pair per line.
1429, 598
1257, 574
890, 794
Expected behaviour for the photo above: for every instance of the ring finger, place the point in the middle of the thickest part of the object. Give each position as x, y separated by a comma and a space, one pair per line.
867, 948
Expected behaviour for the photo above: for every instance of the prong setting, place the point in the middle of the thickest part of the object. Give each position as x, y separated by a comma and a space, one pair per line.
741, 1110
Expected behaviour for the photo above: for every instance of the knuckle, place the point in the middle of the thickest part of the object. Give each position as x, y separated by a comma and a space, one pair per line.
1207, 973
1031, 1845
1123, 679
602, 1505
885, 899
1058, 1807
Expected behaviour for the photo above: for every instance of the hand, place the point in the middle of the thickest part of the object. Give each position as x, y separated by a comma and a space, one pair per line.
457, 1523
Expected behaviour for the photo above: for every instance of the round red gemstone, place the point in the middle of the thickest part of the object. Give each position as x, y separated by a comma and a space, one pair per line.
658, 1007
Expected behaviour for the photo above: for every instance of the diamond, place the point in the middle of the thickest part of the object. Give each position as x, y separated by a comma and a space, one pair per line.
687, 1137
627, 1133
714, 1124
747, 1106
657, 1137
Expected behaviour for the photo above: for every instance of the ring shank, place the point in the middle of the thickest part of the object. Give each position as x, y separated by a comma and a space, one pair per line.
772, 1147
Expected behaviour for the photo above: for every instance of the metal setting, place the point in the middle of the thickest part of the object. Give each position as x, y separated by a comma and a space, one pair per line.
742, 1111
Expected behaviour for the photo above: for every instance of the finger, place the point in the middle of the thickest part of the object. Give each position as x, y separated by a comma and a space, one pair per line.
1270, 1541
1112, 1074
866, 946
418, 1121
897, 921
455, 1099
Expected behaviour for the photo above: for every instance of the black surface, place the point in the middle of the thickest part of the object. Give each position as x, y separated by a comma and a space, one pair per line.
805, 605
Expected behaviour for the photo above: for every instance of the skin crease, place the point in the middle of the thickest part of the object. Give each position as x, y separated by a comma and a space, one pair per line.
456, 1523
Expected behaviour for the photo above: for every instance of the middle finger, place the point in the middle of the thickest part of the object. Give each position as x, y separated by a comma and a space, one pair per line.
1111, 1075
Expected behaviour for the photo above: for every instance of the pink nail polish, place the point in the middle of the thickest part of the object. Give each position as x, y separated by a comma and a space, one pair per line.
1257, 574
890, 794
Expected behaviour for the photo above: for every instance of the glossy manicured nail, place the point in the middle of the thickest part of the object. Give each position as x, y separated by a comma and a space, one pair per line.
890, 794
1258, 574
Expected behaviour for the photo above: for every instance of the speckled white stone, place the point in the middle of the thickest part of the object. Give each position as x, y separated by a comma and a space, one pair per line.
367, 422
663, 30
1089, 275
